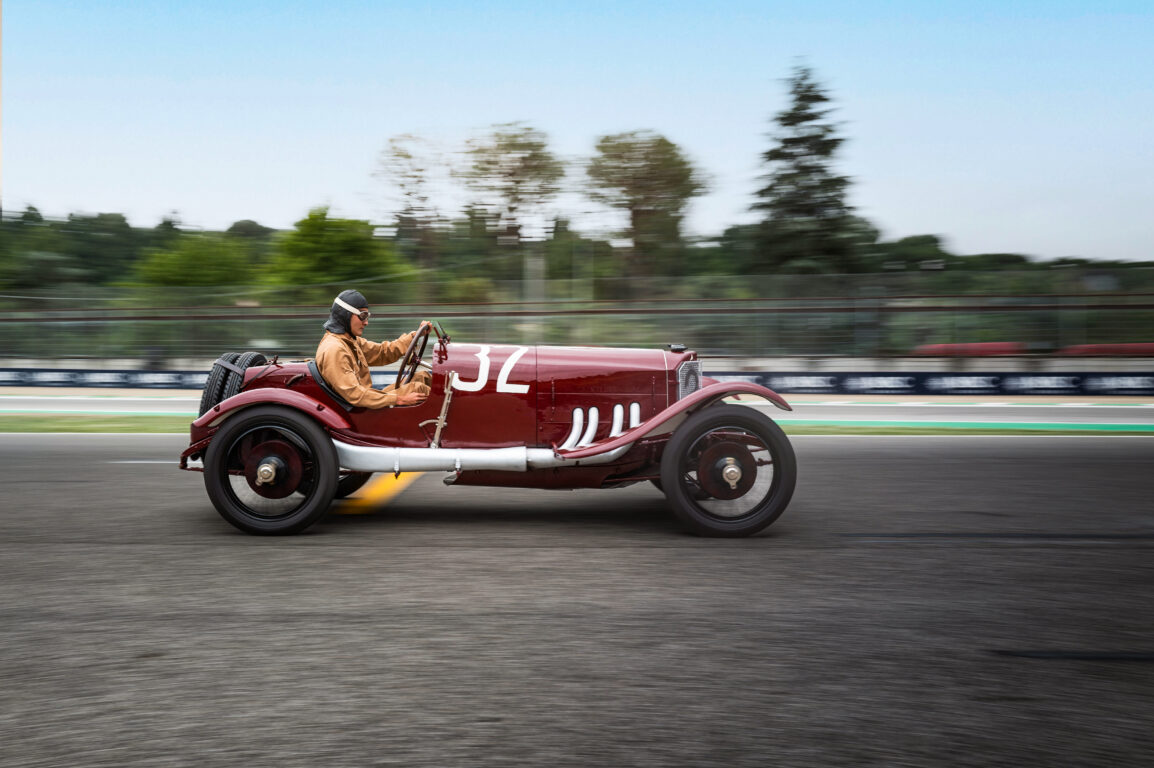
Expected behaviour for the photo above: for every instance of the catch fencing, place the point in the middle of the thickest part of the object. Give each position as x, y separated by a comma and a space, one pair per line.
854, 316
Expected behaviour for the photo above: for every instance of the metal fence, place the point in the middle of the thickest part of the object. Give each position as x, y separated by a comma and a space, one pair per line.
852, 315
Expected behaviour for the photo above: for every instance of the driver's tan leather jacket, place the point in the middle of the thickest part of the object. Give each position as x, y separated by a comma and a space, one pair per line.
344, 360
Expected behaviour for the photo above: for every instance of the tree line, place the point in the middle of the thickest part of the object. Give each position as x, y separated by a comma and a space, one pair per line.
510, 177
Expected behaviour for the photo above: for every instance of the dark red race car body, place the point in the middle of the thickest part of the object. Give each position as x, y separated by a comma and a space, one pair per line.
516, 416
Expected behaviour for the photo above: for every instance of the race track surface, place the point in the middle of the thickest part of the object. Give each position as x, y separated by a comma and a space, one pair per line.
925, 601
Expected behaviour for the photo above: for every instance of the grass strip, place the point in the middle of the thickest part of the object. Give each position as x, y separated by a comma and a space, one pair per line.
103, 422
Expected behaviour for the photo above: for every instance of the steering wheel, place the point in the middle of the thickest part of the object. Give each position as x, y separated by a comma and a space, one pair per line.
413, 355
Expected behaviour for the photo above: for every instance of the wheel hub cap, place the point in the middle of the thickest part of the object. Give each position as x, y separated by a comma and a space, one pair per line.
726, 470
266, 473
732, 473
273, 469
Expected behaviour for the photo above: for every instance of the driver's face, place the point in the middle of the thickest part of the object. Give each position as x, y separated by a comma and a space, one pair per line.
357, 325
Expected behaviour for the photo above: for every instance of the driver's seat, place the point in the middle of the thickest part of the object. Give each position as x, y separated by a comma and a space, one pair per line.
315, 372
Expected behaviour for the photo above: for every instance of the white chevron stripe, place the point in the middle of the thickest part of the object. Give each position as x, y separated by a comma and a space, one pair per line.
618, 420
591, 430
575, 433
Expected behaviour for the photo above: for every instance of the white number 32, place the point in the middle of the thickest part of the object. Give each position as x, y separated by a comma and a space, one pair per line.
503, 384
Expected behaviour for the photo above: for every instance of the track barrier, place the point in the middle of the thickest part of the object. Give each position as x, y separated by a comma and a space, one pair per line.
825, 383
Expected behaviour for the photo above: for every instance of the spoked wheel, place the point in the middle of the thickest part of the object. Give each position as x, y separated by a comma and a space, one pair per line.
728, 471
271, 470
350, 482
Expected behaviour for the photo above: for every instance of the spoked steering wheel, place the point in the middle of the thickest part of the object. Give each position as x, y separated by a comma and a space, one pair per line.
412, 359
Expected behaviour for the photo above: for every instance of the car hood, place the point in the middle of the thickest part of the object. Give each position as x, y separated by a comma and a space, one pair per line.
554, 363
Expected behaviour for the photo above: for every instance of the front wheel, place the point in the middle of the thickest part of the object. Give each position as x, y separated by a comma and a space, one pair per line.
728, 471
271, 470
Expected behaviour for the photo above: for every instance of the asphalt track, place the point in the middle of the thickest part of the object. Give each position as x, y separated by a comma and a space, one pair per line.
925, 601
1057, 413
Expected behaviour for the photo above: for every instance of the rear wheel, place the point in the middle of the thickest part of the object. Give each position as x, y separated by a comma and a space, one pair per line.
728, 471
271, 470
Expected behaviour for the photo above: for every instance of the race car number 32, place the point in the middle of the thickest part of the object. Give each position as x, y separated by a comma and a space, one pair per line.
503, 384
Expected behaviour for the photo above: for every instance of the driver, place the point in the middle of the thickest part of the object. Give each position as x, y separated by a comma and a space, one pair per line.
344, 357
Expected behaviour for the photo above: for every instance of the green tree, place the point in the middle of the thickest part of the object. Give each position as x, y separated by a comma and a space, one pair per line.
469, 247
648, 177
806, 221
257, 239
166, 232
198, 260
324, 250
912, 252
514, 171
31, 216
249, 229
730, 253
106, 246
996, 261
35, 253
407, 165
571, 257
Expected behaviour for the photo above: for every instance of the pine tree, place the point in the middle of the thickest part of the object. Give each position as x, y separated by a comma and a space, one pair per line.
808, 226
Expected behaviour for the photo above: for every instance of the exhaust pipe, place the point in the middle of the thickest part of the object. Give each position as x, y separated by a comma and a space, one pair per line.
363, 458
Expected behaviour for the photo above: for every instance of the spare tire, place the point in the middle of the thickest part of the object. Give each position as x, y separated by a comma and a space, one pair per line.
215, 383
235, 380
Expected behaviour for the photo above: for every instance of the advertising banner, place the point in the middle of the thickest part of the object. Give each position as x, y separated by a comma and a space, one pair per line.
838, 383
937, 383
59, 377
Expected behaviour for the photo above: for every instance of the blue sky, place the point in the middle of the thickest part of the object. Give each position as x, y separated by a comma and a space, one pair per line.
1010, 126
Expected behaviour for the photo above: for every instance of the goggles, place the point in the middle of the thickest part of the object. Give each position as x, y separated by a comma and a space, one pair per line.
363, 314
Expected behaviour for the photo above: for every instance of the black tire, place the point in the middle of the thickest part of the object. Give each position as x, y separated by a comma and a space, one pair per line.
657, 484
747, 510
350, 482
215, 383
235, 380
273, 433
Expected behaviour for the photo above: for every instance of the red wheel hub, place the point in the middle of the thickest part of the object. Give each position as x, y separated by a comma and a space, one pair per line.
273, 469
726, 470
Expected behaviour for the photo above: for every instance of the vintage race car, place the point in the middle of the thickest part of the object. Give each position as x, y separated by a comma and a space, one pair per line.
278, 444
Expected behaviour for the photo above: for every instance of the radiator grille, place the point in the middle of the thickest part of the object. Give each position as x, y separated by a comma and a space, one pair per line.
688, 378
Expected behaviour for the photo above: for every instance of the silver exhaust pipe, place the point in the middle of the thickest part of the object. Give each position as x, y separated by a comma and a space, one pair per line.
364, 458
